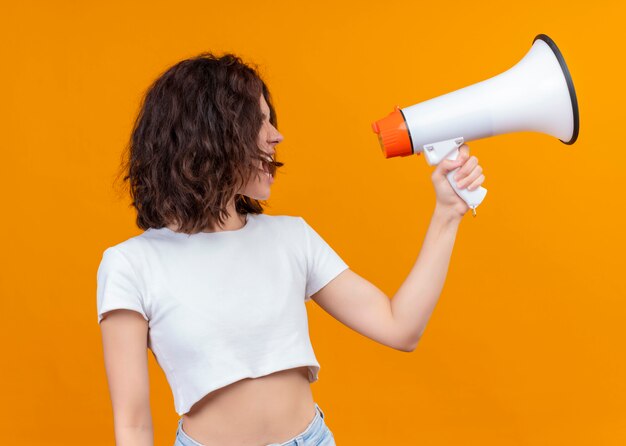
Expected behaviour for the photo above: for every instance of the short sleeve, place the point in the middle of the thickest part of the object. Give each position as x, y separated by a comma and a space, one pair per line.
322, 263
117, 285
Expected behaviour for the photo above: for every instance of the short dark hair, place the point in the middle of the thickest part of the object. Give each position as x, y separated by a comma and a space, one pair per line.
194, 143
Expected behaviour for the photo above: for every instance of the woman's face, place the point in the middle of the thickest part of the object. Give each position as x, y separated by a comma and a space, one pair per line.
258, 187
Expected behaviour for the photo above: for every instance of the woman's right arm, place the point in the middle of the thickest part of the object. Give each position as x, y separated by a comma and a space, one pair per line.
125, 342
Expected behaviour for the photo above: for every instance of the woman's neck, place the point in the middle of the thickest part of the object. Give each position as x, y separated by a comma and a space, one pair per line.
233, 222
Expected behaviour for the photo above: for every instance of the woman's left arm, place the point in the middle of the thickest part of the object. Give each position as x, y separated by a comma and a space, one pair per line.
400, 322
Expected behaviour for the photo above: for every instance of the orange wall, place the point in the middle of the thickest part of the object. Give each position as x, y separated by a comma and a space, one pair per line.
526, 345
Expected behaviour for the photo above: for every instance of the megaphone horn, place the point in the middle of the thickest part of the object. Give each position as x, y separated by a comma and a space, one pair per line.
537, 94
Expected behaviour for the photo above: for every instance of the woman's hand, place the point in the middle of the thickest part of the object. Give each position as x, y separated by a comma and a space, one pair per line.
469, 175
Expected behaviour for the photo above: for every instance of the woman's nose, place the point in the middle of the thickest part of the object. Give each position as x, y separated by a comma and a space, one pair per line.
279, 137
276, 136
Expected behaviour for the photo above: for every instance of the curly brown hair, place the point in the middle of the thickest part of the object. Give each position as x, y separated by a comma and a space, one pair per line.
194, 144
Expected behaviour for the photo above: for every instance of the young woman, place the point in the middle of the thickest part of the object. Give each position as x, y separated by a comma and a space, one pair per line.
216, 289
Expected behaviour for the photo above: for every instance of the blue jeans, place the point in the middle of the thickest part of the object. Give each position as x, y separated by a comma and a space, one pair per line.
316, 434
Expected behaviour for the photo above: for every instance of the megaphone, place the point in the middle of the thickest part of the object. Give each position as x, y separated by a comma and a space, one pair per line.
537, 94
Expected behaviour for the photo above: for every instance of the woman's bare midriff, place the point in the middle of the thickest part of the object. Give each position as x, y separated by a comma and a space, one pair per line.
253, 411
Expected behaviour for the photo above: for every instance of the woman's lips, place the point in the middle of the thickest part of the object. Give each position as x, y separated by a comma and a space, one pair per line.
270, 177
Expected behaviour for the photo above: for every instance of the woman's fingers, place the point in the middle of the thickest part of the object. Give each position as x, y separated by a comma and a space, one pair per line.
471, 179
470, 174
477, 182
466, 168
464, 152
447, 165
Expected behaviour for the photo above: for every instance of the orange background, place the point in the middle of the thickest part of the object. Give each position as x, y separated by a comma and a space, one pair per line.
527, 343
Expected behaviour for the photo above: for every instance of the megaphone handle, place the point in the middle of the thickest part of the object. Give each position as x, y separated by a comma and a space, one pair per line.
472, 197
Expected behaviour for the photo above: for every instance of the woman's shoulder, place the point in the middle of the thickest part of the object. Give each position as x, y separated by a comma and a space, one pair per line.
129, 248
282, 224
284, 219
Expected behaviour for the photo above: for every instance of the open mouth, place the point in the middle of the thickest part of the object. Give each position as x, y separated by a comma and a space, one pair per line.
269, 168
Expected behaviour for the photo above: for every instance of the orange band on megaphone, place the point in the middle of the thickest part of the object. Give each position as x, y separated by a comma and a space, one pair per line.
393, 134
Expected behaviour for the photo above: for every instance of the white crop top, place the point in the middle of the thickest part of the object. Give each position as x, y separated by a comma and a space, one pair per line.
221, 306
